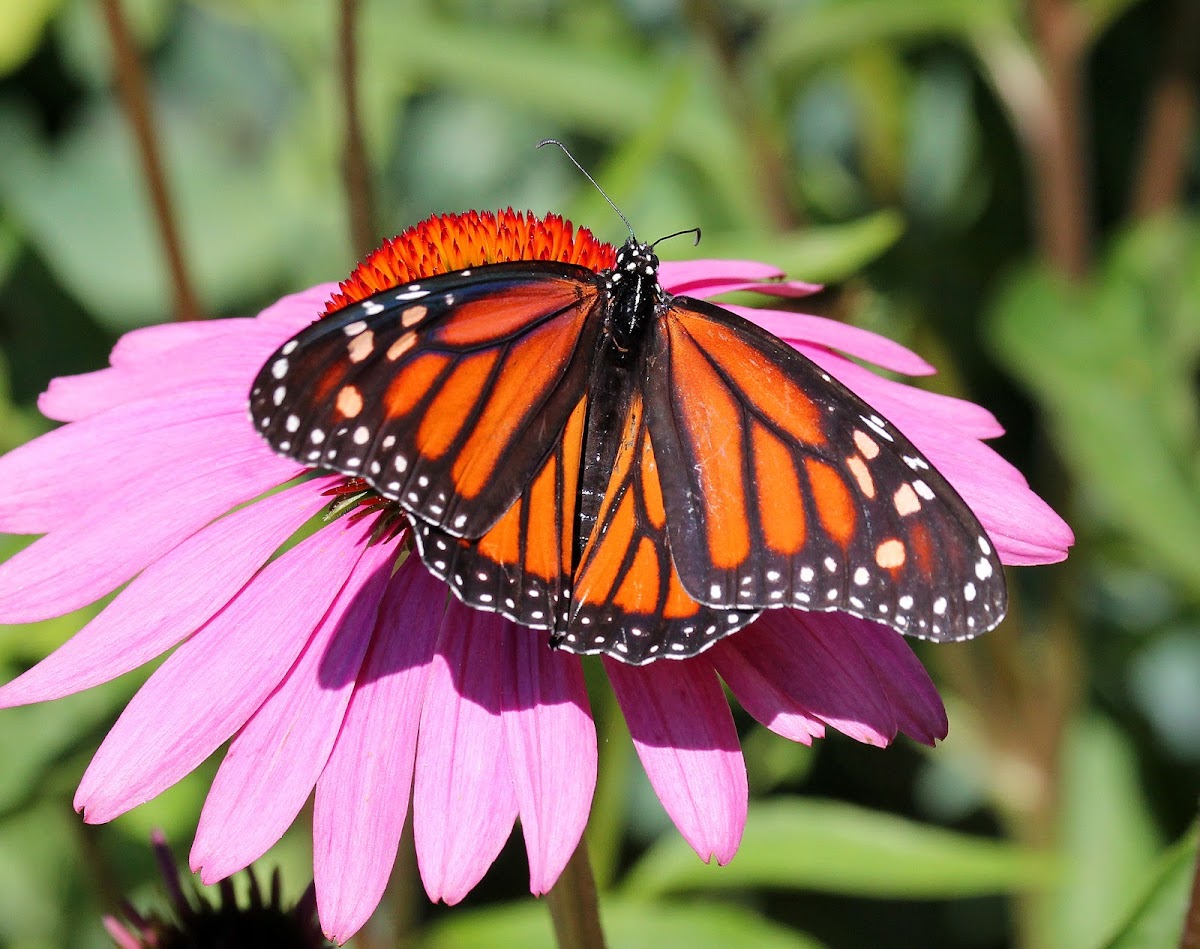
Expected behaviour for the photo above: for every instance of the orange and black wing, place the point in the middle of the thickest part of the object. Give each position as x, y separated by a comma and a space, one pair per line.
783, 488
521, 568
627, 600
445, 395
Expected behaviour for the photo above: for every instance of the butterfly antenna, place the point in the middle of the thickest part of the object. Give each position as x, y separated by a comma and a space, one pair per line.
686, 230
566, 151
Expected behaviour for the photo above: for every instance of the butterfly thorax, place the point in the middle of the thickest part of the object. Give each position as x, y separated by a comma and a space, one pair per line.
634, 291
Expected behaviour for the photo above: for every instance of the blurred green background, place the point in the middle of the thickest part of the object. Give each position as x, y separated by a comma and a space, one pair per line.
1008, 186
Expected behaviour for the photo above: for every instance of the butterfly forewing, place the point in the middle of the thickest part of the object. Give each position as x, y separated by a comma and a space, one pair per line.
783, 488
445, 395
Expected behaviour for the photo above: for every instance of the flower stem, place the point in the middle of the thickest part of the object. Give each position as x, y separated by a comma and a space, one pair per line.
1191, 923
356, 176
1060, 167
1171, 115
573, 904
131, 82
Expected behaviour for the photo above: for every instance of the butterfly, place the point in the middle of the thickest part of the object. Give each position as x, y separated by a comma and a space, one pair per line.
641, 474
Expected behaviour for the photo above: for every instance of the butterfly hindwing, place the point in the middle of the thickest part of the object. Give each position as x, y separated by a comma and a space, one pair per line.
627, 598
783, 488
521, 568
445, 395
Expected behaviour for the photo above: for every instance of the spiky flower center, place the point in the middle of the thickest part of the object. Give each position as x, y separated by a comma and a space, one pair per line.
447, 242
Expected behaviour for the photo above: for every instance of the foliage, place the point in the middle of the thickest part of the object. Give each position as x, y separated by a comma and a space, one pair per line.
883, 148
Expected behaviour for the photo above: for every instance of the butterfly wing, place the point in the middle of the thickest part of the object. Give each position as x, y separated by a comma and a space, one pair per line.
627, 598
783, 488
520, 568
444, 395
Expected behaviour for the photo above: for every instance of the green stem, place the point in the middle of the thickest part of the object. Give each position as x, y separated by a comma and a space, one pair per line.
356, 176
135, 98
574, 906
1191, 923
608, 806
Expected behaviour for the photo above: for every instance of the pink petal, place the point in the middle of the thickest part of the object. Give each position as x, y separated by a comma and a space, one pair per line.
806, 658
275, 760
298, 310
681, 726
464, 804
782, 288
172, 597
217, 679
900, 402
362, 795
682, 276
1018, 552
804, 328
914, 698
127, 453
120, 936
704, 290
1024, 529
758, 695
551, 743
147, 343
104, 547
230, 358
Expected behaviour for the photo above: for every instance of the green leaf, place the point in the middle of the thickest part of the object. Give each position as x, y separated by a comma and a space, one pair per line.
630, 925
10, 245
252, 174
17, 426
62, 727
41, 876
772, 760
828, 32
820, 254
22, 24
1111, 363
1158, 919
1107, 838
800, 843
512, 66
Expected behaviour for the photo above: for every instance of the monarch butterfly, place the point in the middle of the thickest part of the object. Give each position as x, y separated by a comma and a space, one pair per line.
640, 474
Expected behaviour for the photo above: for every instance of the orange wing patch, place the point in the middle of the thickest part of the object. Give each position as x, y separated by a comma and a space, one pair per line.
781, 510
776, 394
485, 321
714, 419
412, 384
543, 355
835, 505
454, 402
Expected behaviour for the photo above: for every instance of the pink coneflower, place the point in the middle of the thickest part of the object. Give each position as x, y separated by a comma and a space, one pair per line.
335, 667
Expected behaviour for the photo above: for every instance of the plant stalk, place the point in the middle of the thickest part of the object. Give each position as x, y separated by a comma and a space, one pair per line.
574, 906
135, 99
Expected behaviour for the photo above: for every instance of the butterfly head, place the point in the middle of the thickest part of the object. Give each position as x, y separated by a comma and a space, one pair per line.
633, 288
